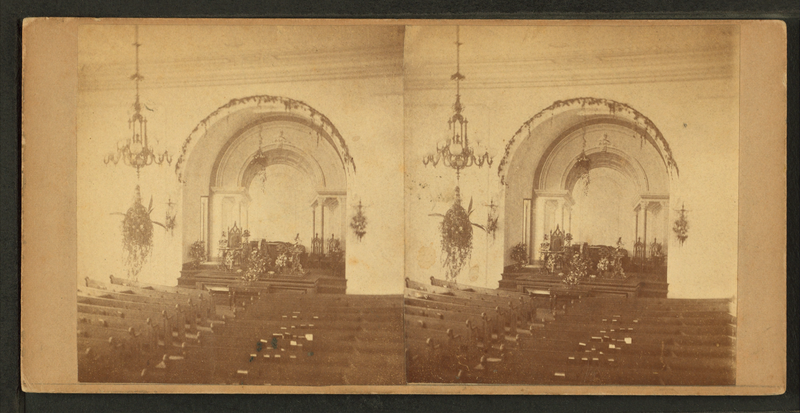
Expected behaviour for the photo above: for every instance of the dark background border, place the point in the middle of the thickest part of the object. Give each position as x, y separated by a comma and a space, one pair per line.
13, 11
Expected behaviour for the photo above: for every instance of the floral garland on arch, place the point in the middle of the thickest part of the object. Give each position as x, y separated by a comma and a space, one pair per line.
317, 120
614, 108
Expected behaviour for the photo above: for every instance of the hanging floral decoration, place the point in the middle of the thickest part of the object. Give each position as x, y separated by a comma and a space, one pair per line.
170, 218
359, 222
681, 226
583, 165
170, 221
137, 234
456, 229
491, 225
491, 220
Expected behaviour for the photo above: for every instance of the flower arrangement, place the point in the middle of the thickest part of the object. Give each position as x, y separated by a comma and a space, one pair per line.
583, 165
334, 246
578, 270
681, 226
256, 265
603, 264
456, 230
170, 222
197, 252
610, 264
359, 222
519, 253
550, 264
491, 224
281, 261
137, 234
619, 253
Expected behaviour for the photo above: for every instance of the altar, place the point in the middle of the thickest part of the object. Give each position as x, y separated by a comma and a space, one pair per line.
267, 204
635, 285
269, 266
214, 279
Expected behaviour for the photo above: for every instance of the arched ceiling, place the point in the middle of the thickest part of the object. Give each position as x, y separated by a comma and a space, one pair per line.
542, 134
282, 142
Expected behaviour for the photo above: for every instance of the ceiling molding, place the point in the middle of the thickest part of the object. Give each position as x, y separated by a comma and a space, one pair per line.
254, 68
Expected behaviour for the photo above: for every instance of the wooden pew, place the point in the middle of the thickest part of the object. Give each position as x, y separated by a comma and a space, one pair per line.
649, 341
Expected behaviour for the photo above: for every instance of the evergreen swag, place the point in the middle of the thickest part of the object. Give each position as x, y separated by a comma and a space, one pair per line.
456, 230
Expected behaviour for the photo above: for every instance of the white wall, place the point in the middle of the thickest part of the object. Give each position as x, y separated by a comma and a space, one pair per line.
366, 110
698, 117
684, 79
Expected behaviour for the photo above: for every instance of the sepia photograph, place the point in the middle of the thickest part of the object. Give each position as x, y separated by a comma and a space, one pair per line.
571, 198
224, 233
404, 206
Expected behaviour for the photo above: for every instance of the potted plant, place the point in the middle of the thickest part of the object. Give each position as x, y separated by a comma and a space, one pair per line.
197, 252
519, 253
256, 265
578, 270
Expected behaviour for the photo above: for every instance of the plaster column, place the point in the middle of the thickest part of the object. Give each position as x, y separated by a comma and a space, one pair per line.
313, 220
322, 223
538, 228
666, 234
560, 213
636, 211
343, 214
644, 231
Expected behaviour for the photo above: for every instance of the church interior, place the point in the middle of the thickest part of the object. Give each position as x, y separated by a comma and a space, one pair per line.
257, 246
571, 199
308, 206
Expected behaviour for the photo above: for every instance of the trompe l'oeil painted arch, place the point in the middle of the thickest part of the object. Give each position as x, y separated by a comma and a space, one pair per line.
539, 174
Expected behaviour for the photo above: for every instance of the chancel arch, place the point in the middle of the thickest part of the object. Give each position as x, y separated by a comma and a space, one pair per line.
618, 192
271, 167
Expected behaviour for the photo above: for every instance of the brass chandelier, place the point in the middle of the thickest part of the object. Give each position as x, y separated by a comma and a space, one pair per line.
455, 152
136, 150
